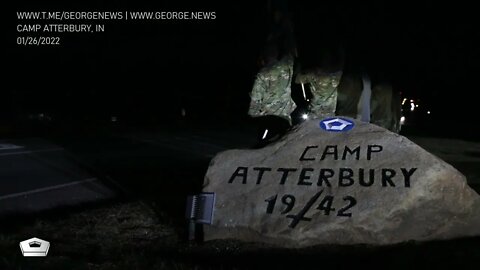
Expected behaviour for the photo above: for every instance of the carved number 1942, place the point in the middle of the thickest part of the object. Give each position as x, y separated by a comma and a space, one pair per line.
325, 205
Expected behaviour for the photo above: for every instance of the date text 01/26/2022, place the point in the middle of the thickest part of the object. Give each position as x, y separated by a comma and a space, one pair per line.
38, 41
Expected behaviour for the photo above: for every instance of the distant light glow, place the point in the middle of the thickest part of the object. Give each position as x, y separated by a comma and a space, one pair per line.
412, 107
404, 100
411, 100
265, 134
402, 120
428, 112
416, 106
304, 116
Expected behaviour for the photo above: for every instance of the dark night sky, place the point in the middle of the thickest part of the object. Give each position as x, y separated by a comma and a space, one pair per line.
153, 68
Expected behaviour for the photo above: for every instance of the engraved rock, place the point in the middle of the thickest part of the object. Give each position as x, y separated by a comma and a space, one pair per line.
339, 181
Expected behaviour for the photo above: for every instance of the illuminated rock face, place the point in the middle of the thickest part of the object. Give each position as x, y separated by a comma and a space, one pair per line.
322, 186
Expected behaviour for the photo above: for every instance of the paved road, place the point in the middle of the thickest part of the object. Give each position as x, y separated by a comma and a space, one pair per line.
36, 175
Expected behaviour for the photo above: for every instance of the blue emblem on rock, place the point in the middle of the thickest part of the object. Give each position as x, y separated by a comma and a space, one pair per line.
336, 124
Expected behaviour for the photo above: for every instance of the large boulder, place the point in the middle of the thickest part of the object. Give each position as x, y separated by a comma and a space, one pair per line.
338, 181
